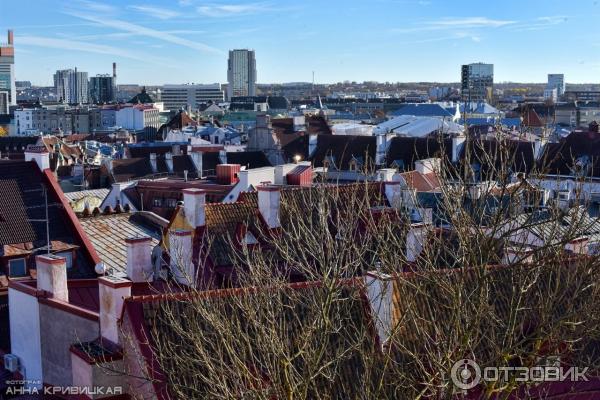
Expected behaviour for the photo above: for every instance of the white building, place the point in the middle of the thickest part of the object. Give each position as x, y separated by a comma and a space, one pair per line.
176, 97
137, 117
551, 94
23, 121
241, 73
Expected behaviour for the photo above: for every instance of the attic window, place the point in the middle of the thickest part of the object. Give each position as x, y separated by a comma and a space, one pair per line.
249, 239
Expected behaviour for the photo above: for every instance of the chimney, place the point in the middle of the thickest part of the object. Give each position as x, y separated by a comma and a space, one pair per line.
386, 174
112, 293
180, 249
457, 145
169, 162
312, 144
222, 157
393, 193
11, 37
40, 156
415, 240
268, 204
228, 174
516, 254
194, 202
427, 165
380, 291
196, 157
115, 70
52, 276
153, 162
139, 263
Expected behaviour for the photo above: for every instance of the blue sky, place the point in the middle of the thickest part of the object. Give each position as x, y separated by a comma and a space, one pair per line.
170, 41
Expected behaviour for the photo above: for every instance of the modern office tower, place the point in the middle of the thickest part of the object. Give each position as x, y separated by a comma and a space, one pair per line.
556, 81
7, 69
177, 97
4, 102
71, 86
241, 73
477, 82
103, 89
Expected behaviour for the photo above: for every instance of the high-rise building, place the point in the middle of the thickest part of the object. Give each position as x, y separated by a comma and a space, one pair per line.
477, 82
177, 97
4, 102
556, 81
102, 89
241, 73
7, 68
71, 86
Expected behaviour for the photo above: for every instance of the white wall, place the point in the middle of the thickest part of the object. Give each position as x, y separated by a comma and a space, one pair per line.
25, 337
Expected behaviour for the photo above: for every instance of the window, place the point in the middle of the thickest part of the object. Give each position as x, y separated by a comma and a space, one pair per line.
17, 267
68, 258
171, 203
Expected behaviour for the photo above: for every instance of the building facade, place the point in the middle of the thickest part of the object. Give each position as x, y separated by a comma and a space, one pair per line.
241, 73
477, 82
71, 86
103, 89
138, 117
177, 97
7, 69
4, 101
556, 81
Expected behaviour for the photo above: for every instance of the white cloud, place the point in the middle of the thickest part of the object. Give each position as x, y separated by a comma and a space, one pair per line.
471, 22
144, 31
452, 24
227, 10
66, 44
157, 12
95, 6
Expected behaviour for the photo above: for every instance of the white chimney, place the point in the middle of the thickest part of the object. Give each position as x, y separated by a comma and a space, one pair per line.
52, 276
41, 157
180, 249
222, 157
386, 174
457, 144
380, 291
153, 162
312, 144
169, 162
381, 141
269, 199
196, 157
517, 254
194, 203
427, 165
415, 239
139, 262
393, 193
112, 293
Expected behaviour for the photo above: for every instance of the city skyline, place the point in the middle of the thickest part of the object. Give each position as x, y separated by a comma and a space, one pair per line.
399, 41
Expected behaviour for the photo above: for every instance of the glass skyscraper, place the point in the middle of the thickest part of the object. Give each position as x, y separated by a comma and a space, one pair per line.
241, 73
477, 82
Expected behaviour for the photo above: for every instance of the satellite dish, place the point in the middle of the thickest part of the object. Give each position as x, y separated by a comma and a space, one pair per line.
100, 268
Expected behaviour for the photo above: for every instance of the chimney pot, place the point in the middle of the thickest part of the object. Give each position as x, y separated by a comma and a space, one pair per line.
112, 293
269, 198
52, 276
139, 263
194, 203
